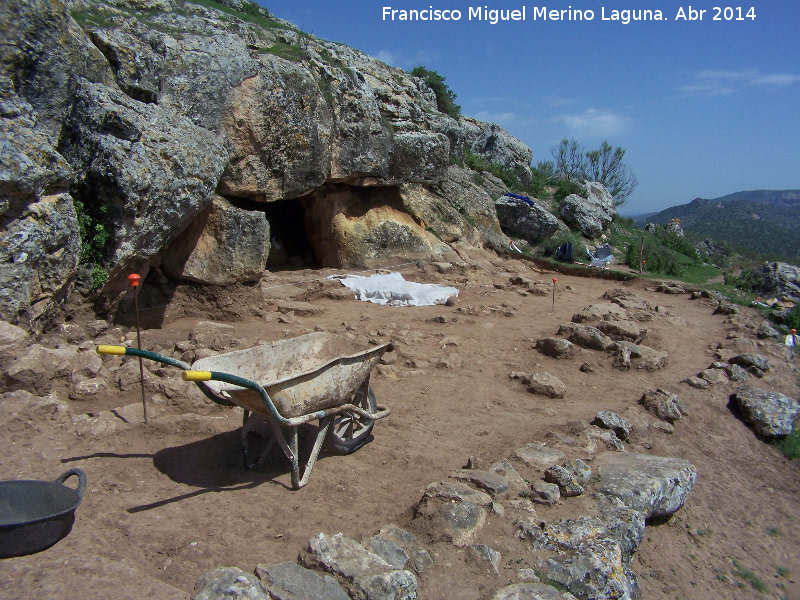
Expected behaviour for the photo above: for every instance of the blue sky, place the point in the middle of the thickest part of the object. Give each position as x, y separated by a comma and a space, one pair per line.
703, 108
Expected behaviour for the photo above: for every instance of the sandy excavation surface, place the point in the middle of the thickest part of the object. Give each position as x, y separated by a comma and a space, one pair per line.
171, 499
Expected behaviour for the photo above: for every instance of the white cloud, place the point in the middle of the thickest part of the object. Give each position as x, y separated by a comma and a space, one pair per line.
387, 57
718, 83
405, 61
505, 119
594, 123
777, 79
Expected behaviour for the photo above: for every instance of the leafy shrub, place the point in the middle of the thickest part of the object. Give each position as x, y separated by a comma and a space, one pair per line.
99, 277
254, 10
476, 163
538, 185
94, 234
679, 244
445, 97
626, 222
95, 240
792, 320
790, 445
565, 188
657, 259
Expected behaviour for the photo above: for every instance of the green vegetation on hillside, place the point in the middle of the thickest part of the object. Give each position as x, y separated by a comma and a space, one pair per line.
757, 229
445, 97
604, 165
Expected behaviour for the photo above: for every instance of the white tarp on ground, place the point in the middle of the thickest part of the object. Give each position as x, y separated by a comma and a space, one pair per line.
391, 288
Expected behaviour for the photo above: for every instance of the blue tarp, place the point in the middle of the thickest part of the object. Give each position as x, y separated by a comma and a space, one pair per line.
519, 197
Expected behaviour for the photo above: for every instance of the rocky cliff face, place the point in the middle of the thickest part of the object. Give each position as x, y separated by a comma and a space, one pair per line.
123, 118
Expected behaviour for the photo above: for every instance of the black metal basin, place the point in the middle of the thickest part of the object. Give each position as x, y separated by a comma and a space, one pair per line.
34, 515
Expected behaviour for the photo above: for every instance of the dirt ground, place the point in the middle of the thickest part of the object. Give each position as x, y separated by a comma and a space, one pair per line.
168, 500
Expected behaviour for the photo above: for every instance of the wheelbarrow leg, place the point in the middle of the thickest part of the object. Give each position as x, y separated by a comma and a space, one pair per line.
250, 423
297, 480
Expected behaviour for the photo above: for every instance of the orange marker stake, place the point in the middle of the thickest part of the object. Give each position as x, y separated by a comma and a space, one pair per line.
134, 280
554, 295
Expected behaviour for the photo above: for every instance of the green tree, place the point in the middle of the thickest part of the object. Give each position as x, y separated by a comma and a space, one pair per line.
445, 97
570, 160
603, 165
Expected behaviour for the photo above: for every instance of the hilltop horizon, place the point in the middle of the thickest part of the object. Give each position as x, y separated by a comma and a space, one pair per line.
743, 194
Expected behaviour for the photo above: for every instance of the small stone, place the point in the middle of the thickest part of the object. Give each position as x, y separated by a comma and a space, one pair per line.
696, 382
609, 420
485, 555
566, 481
545, 493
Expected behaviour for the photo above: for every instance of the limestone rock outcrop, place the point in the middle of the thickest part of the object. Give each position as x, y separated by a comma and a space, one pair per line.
590, 215
223, 245
121, 128
530, 221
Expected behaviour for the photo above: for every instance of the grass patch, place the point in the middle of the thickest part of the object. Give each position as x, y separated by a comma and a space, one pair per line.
332, 61
251, 12
476, 163
92, 19
790, 445
748, 576
704, 532
291, 52
773, 532
566, 188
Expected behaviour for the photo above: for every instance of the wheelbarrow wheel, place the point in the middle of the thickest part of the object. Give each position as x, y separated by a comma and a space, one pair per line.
349, 430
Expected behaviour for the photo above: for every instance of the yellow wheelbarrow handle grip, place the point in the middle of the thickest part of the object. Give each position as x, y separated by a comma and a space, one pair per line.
196, 375
115, 350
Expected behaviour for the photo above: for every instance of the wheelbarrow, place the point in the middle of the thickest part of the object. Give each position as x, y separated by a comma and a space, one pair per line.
282, 385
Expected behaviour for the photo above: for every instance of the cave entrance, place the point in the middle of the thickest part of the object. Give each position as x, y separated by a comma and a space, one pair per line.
289, 245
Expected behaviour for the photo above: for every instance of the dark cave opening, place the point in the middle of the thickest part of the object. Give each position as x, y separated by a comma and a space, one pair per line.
289, 245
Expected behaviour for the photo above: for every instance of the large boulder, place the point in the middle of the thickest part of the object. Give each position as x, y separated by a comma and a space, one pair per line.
655, 486
39, 254
228, 582
152, 170
585, 336
223, 245
772, 414
779, 279
351, 227
44, 53
591, 555
363, 574
39, 244
458, 209
590, 215
496, 146
528, 220
282, 103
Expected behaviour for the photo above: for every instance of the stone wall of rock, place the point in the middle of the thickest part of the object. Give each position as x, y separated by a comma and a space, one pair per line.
131, 120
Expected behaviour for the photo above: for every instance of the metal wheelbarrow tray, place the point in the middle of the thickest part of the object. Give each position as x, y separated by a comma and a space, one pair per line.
284, 384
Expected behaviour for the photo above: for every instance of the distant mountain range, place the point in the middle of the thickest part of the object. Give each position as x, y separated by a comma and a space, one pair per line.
765, 221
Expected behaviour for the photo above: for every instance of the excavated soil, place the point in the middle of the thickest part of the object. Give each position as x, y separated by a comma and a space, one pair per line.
168, 500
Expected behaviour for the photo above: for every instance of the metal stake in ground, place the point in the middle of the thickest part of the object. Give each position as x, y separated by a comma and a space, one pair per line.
134, 279
554, 294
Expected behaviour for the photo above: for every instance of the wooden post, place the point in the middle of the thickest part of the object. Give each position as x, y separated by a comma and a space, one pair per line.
641, 253
134, 279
